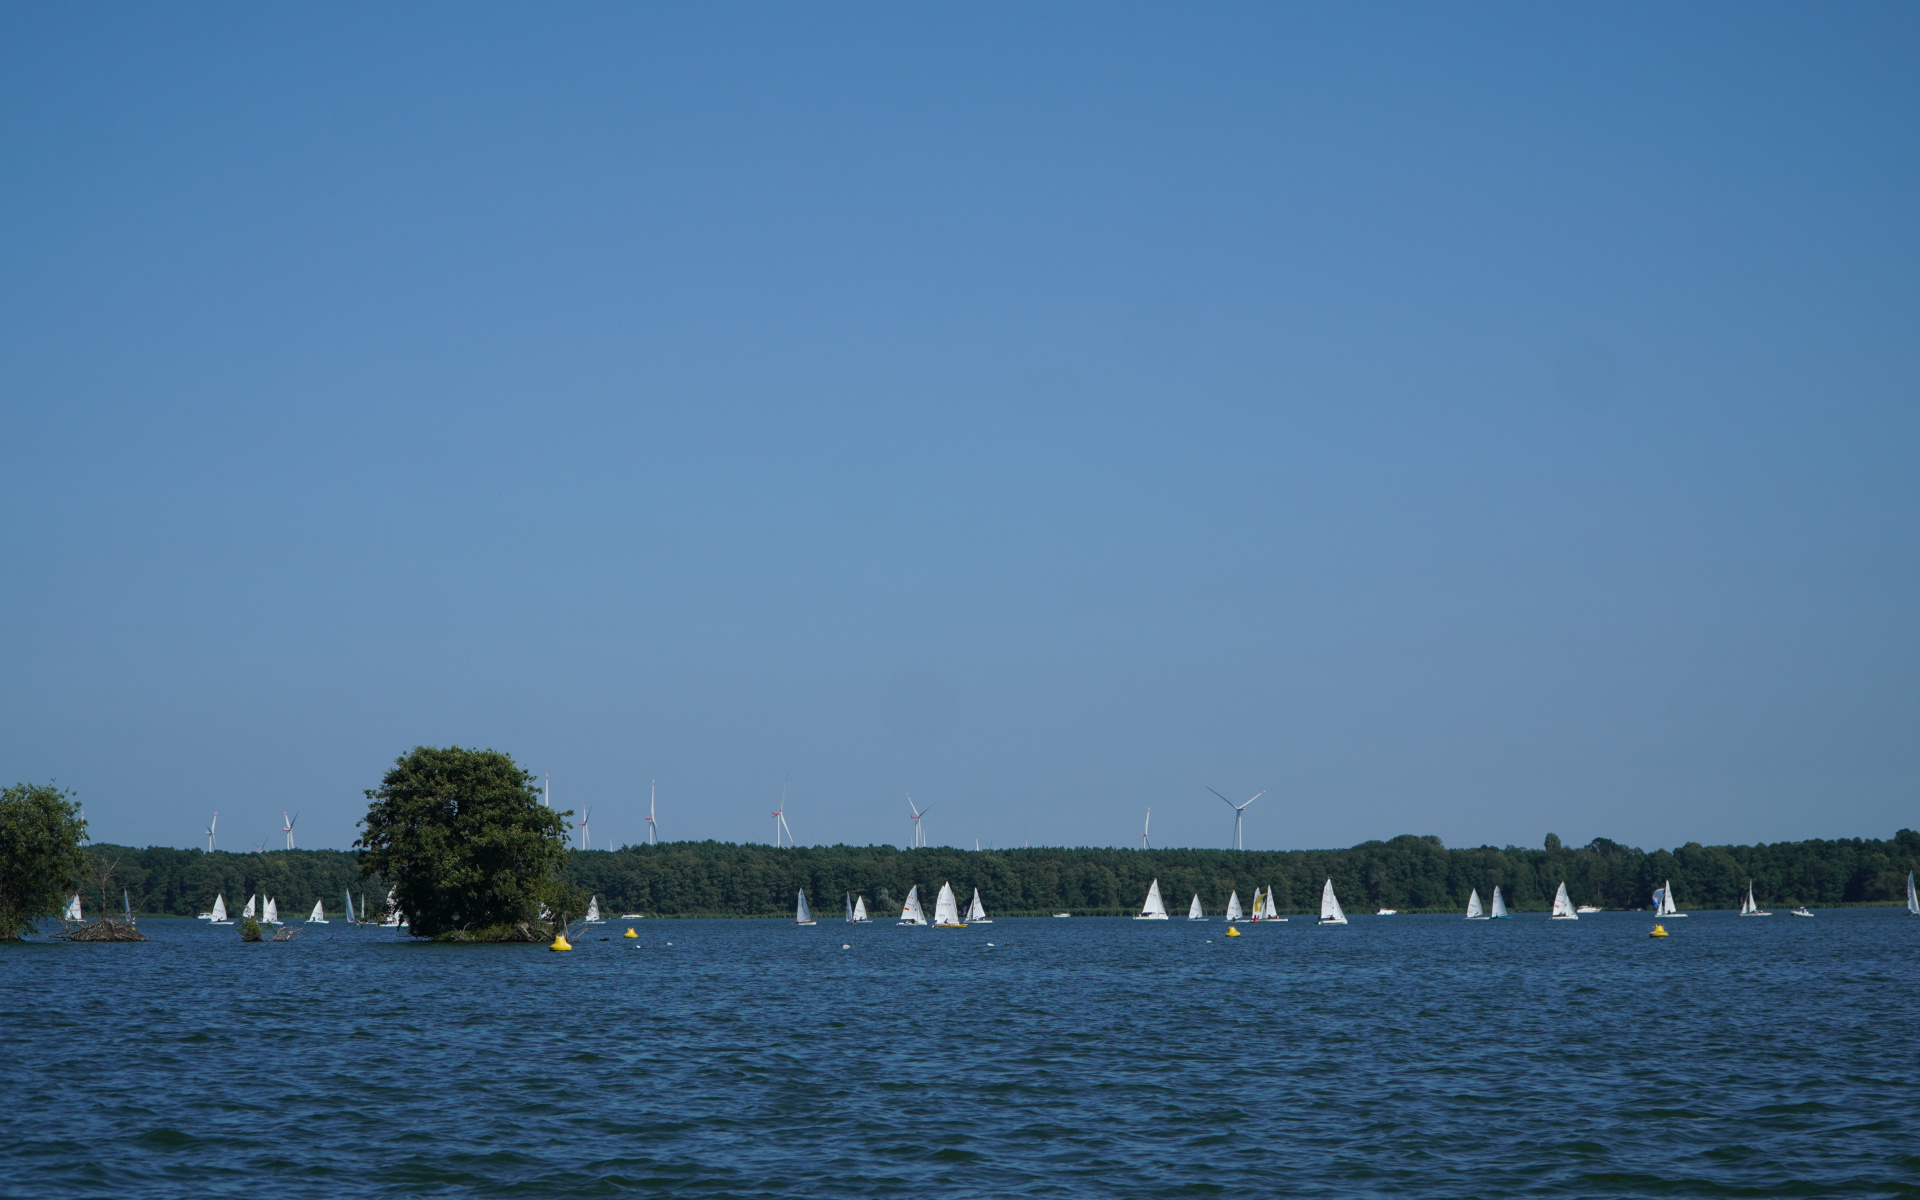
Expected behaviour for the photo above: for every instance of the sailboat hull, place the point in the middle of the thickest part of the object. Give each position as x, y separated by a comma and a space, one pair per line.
1332, 921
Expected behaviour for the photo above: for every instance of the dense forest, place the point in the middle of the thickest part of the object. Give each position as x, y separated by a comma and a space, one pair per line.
1412, 874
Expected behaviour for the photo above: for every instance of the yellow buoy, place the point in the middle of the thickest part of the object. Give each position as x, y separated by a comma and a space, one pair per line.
1232, 932
560, 942
630, 932
1658, 931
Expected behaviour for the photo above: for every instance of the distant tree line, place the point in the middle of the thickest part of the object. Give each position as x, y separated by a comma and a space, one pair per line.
1412, 874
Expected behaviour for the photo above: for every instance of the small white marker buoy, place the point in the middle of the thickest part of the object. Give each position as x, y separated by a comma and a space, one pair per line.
846, 946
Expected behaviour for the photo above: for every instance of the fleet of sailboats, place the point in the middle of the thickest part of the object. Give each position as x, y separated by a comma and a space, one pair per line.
1153, 909
1474, 912
1330, 911
1748, 908
1562, 906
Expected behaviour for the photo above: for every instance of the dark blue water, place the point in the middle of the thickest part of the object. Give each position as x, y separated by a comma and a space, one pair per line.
1411, 1056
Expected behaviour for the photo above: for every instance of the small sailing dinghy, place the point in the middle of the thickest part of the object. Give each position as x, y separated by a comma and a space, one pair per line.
1563, 907
911, 913
1913, 897
1153, 909
73, 910
1234, 916
1330, 911
352, 919
1500, 912
247, 912
801, 914
1663, 905
593, 912
219, 914
860, 916
946, 910
1474, 912
319, 916
270, 913
1194, 911
1748, 908
1266, 909
977, 912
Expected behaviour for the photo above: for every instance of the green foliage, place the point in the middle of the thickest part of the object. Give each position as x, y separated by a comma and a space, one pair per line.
249, 930
167, 881
1408, 873
465, 840
40, 856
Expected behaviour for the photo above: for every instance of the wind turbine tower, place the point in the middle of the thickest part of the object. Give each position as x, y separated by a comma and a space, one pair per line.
1146, 843
780, 818
1239, 814
653, 790
586, 834
919, 831
286, 826
210, 828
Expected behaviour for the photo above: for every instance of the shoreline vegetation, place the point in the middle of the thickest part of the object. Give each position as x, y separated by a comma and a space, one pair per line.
1408, 873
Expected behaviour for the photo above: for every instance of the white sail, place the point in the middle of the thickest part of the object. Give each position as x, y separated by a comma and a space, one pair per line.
946, 910
802, 915
977, 912
1664, 904
1747, 906
593, 911
1499, 905
1913, 898
1233, 907
73, 909
319, 916
1330, 911
1194, 911
859, 909
219, 913
911, 913
271, 913
247, 912
1153, 909
1267, 911
1474, 912
1562, 906
395, 919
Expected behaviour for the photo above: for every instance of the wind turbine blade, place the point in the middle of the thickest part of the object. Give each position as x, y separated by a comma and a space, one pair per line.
1255, 796
1224, 800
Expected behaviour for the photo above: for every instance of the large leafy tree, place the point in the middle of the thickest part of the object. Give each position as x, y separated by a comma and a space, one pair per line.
465, 841
40, 856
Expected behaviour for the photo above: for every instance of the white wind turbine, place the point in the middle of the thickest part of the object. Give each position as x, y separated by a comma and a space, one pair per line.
586, 834
1239, 813
286, 826
780, 818
919, 832
653, 790
1146, 843
546, 792
209, 830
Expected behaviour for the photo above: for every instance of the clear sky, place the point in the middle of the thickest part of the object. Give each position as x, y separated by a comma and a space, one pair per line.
1459, 419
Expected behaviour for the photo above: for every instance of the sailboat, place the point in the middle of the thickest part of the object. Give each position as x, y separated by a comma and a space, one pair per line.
911, 913
219, 914
1234, 915
126, 905
977, 912
859, 914
1473, 907
73, 910
246, 913
270, 914
319, 916
802, 915
1913, 897
1330, 912
1663, 905
1563, 907
351, 919
1500, 912
946, 910
1194, 911
395, 919
593, 912
1265, 908
1153, 909
1748, 908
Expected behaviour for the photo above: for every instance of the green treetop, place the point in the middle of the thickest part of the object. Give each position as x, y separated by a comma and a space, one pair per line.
465, 841
40, 855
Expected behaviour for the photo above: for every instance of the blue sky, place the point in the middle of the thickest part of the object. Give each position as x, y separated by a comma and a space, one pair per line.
1476, 420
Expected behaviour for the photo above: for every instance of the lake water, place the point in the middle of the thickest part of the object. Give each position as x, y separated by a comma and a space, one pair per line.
1409, 1056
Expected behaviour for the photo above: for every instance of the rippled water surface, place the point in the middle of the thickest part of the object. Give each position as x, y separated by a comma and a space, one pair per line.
1413, 1056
